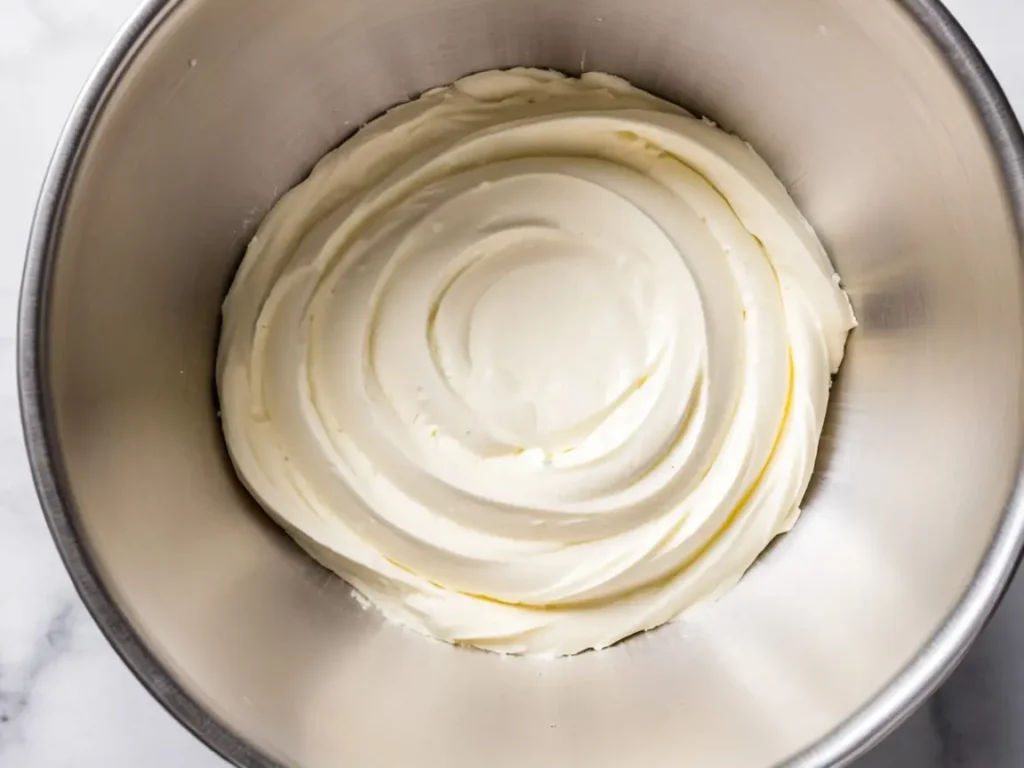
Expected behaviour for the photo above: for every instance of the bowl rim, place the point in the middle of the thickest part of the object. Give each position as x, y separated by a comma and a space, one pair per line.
930, 666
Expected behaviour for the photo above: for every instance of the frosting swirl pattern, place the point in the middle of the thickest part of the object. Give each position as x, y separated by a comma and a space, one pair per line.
533, 362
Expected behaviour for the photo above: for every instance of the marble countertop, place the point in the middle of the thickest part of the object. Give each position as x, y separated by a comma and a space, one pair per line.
66, 700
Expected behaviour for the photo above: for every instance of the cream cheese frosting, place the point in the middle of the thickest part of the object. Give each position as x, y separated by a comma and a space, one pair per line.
533, 362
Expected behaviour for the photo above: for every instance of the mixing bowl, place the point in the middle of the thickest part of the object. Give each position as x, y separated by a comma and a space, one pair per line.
894, 139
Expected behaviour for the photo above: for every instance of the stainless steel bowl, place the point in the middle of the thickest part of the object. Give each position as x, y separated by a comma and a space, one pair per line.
900, 148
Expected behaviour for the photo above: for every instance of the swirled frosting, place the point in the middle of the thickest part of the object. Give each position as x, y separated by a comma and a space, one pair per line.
533, 362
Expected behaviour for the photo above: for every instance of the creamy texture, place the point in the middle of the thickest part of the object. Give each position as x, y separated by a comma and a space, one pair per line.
534, 363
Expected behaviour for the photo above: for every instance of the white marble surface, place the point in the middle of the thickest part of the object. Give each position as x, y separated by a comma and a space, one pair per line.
66, 701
